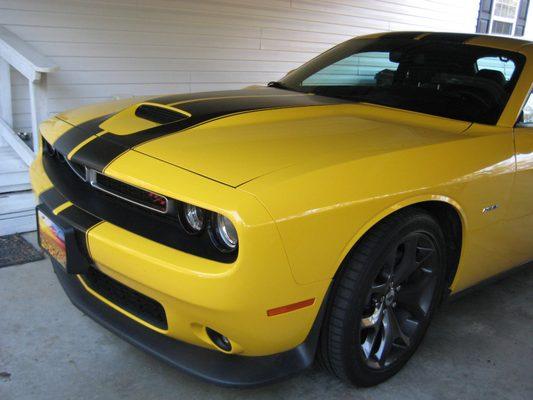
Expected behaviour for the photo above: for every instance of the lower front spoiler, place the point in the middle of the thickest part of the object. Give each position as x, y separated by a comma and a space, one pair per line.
210, 365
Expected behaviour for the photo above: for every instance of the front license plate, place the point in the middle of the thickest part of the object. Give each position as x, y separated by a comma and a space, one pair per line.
52, 238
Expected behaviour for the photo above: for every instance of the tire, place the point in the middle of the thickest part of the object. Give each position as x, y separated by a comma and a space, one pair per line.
373, 325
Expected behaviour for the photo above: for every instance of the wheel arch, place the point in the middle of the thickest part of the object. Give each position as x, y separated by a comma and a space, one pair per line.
448, 213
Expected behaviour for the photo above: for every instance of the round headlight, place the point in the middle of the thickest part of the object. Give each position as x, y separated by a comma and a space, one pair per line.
225, 233
193, 218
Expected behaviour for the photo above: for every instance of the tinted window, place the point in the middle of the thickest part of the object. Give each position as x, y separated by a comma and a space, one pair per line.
437, 77
356, 70
504, 65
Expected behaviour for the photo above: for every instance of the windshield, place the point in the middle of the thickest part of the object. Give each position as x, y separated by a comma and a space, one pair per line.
453, 80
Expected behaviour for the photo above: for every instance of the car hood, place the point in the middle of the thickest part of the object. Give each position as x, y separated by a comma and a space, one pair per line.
234, 137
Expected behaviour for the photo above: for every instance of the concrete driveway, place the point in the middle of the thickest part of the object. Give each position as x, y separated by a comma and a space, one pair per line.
478, 347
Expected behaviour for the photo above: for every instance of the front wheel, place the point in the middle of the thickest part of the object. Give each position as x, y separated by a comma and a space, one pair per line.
383, 298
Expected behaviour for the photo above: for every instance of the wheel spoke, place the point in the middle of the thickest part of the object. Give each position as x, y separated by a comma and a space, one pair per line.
387, 338
374, 319
424, 253
370, 343
408, 262
409, 299
397, 329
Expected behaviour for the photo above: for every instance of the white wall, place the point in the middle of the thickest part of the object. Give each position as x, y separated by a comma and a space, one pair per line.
109, 48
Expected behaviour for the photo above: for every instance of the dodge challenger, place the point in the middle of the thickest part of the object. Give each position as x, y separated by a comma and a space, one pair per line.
239, 235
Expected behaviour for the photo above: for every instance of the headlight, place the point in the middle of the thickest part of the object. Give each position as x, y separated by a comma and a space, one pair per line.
219, 229
193, 218
224, 234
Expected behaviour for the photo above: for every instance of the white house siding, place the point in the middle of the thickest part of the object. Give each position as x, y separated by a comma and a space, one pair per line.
119, 48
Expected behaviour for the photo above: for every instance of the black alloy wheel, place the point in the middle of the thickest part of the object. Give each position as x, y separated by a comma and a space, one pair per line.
383, 298
399, 300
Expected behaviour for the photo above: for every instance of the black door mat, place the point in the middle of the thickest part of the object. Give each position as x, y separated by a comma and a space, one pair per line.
14, 249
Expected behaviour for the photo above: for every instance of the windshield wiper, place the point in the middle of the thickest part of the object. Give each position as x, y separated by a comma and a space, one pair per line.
343, 96
279, 85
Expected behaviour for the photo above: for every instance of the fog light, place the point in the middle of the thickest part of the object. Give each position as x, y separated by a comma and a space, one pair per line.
221, 341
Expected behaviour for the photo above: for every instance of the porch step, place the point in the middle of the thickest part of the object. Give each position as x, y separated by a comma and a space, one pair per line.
13, 172
17, 212
14, 182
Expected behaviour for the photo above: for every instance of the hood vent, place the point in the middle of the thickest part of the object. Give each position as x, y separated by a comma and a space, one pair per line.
160, 115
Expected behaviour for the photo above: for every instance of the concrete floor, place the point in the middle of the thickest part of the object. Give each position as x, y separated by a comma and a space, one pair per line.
478, 347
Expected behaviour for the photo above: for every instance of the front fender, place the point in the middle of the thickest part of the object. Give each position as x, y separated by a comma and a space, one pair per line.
322, 210
412, 201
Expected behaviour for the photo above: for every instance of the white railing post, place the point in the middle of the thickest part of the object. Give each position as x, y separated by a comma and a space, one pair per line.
6, 109
39, 108
34, 66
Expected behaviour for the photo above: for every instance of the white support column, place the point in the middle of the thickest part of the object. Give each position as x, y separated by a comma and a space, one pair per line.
39, 107
528, 35
6, 108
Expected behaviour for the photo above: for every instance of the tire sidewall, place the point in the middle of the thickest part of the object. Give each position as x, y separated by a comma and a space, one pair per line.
355, 367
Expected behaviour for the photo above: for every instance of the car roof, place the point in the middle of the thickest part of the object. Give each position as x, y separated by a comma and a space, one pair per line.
499, 42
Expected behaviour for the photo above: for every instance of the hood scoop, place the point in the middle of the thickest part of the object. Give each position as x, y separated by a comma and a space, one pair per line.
159, 114
143, 116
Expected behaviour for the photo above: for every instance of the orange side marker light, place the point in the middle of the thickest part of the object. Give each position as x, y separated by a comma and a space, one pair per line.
290, 307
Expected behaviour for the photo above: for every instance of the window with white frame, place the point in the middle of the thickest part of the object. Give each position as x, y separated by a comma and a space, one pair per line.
502, 17
504, 13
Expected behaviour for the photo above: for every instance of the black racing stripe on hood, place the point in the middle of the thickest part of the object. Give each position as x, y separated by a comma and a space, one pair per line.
78, 134
98, 153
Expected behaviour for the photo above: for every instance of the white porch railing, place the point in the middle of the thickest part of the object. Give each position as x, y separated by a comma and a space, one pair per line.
34, 66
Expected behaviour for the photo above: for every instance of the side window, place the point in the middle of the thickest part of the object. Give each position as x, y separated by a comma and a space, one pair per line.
501, 64
527, 112
362, 69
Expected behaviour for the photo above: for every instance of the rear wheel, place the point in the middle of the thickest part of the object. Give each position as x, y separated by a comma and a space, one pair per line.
384, 298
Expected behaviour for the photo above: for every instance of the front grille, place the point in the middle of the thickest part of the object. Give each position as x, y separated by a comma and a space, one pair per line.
124, 191
160, 115
51, 152
130, 193
126, 298
78, 169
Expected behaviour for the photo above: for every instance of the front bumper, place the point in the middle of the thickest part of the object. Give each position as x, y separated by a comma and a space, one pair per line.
215, 367
197, 293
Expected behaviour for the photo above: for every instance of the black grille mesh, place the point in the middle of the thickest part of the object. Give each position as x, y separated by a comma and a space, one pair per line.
132, 193
49, 150
126, 298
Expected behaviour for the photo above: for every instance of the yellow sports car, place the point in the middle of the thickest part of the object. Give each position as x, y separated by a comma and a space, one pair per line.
239, 234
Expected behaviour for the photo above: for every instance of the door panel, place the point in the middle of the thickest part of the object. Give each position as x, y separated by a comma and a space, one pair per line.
521, 210
487, 245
